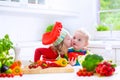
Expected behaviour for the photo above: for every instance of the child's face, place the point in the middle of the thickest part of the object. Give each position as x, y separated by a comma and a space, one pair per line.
67, 41
79, 41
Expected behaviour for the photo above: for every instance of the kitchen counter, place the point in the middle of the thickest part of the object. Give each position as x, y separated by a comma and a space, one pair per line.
104, 44
29, 48
64, 76
113, 44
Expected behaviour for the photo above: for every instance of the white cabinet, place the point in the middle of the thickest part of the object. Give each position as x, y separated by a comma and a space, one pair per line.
110, 50
27, 50
107, 54
66, 8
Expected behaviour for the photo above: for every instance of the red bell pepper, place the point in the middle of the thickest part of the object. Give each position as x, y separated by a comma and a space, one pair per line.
73, 55
52, 63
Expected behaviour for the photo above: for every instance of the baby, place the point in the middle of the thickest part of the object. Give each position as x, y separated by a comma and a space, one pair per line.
79, 45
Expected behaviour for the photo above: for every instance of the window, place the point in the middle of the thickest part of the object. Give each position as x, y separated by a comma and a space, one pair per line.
36, 1
21, 2
14, 0
108, 24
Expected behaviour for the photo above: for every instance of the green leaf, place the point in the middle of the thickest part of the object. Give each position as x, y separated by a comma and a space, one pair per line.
0, 64
8, 63
49, 28
5, 45
1, 49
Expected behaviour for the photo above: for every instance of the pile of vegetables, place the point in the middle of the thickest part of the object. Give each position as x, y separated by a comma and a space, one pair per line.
94, 63
105, 68
8, 67
61, 62
84, 72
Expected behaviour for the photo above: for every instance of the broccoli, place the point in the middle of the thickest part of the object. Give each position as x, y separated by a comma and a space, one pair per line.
91, 61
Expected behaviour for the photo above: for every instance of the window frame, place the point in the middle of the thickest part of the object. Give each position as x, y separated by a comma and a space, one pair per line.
106, 35
24, 3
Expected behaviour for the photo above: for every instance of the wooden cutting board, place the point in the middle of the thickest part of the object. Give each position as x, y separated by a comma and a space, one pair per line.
39, 70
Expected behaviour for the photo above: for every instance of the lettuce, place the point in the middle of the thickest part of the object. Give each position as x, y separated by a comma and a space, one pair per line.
91, 61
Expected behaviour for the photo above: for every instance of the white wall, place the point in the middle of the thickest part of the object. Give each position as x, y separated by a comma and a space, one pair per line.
29, 27
20, 27
25, 26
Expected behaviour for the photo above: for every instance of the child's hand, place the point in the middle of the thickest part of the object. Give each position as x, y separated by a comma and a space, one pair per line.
72, 58
72, 61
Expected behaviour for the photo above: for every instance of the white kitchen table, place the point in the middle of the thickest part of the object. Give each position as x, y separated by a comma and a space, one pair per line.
64, 76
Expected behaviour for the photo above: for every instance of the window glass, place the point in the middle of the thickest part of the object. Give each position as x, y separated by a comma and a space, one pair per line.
18, 3
109, 4
32, 1
3, 0
41, 1
36, 1
111, 20
108, 23
15, 0
109, 15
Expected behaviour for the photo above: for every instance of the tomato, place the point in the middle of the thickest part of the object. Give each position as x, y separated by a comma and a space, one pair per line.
72, 55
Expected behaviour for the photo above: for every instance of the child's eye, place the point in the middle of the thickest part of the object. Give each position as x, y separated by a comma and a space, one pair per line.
73, 37
79, 39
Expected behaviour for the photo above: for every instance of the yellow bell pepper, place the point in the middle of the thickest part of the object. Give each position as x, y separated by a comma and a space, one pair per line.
62, 62
17, 70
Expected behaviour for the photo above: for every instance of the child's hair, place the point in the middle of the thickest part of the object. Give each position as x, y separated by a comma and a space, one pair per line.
55, 35
61, 48
84, 33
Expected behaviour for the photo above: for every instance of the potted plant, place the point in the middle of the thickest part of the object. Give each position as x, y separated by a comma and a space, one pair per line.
102, 28
5, 58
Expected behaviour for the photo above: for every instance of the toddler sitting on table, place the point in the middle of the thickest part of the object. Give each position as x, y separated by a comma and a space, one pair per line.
80, 42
